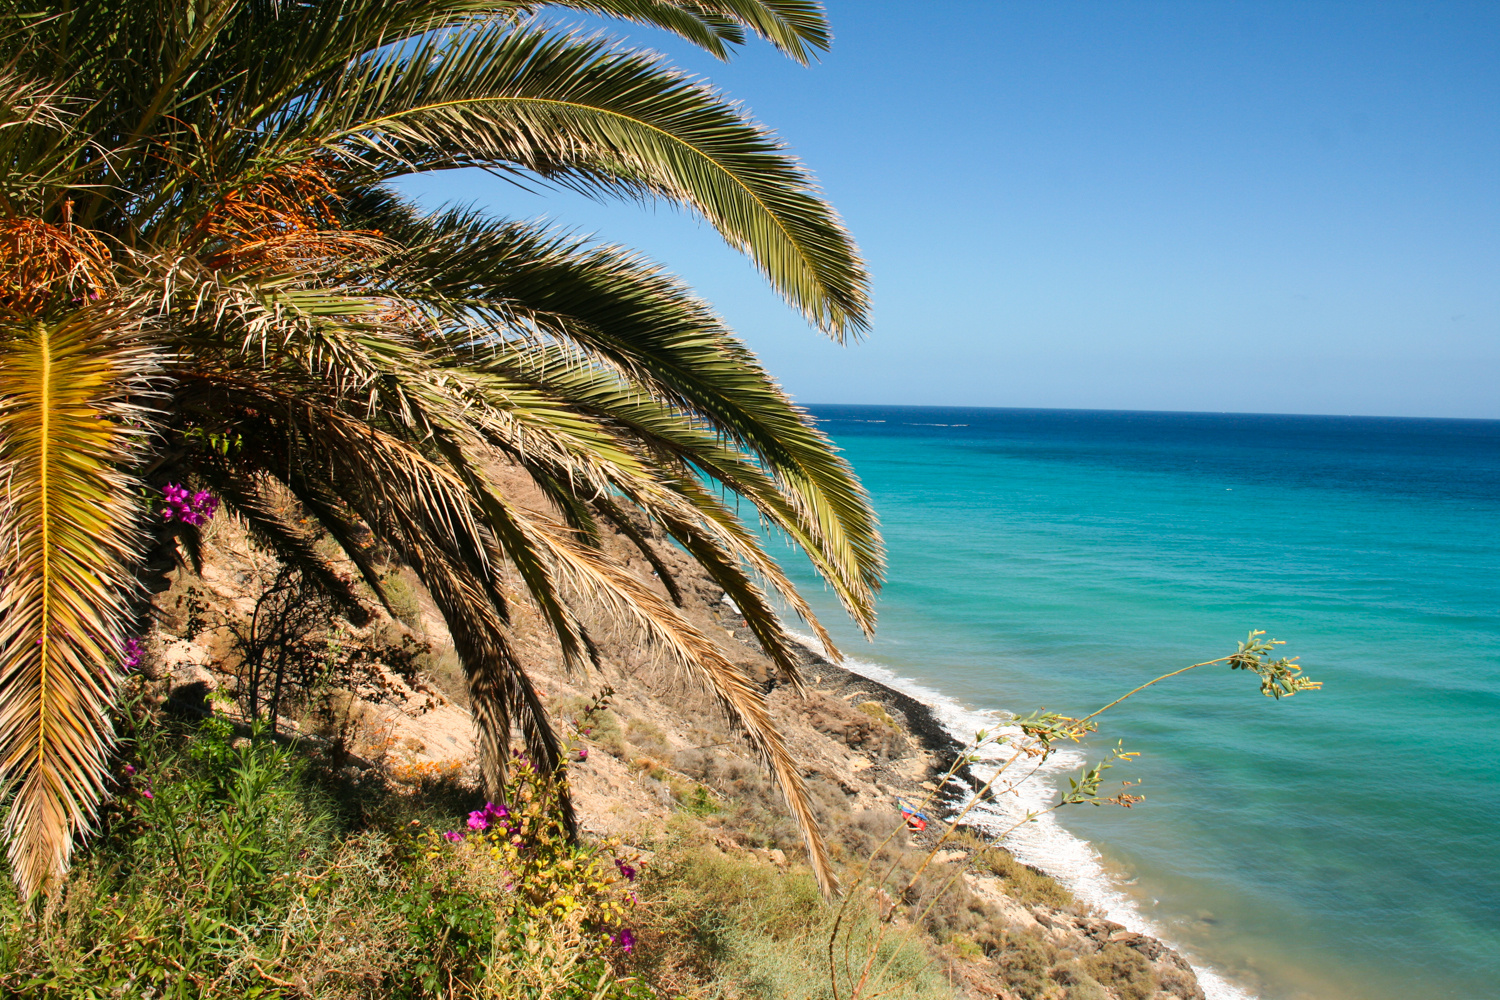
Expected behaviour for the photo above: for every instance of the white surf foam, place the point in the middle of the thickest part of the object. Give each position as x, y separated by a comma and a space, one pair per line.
1043, 843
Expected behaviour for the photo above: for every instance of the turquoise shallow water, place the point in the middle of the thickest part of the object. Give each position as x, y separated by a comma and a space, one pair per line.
1337, 845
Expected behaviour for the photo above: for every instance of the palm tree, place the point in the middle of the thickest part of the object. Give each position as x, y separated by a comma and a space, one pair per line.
206, 278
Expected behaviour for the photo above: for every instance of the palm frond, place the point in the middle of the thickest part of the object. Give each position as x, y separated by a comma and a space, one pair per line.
737, 692
797, 27
500, 692
223, 160
441, 515
579, 112
70, 544
622, 523
631, 316
563, 447
270, 521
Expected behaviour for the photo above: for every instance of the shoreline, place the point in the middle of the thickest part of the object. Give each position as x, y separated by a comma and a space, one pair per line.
923, 720
920, 718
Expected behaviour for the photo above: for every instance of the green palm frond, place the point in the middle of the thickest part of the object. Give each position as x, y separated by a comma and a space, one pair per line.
797, 27
69, 543
596, 118
180, 90
633, 317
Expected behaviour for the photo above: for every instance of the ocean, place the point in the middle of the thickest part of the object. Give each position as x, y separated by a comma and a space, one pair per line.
1337, 845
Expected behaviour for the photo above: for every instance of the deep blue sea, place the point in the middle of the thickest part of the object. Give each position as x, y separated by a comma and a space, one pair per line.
1340, 844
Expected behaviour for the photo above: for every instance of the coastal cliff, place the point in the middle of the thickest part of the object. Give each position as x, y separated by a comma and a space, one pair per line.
656, 764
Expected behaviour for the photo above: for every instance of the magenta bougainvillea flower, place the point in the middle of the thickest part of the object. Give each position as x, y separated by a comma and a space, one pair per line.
189, 508
626, 940
454, 836
626, 869
480, 819
583, 754
133, 654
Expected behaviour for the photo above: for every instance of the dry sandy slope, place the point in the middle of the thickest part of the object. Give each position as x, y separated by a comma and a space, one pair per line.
670, 739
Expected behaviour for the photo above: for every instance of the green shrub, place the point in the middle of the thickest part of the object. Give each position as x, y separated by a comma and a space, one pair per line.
1023, 960
229, 868
1081, 986
445, 671
512, 902
208, 847
695, 799
405, 604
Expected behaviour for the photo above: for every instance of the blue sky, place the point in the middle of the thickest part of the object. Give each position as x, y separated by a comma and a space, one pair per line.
1261, 206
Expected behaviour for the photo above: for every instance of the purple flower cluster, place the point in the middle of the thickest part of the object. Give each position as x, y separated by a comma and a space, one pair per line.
189, 508
480, 819
498, 817
134, 654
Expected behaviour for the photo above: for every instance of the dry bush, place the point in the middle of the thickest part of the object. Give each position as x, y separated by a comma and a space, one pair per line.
404, 599
857, 728
648, 738
445, 671
1081, 985
598, 725
1123, 970
1023, 882
1019, 881
754, 813
1024, 959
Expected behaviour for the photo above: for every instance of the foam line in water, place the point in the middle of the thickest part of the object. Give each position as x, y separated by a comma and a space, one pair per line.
1043, 843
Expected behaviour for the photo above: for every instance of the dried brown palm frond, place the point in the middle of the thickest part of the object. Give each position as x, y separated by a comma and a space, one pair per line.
26, 101
70, 545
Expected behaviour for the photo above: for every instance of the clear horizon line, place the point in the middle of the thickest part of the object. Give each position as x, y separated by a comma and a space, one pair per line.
1206, 413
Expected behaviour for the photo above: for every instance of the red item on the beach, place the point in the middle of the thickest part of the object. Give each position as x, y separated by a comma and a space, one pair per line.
914, 819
